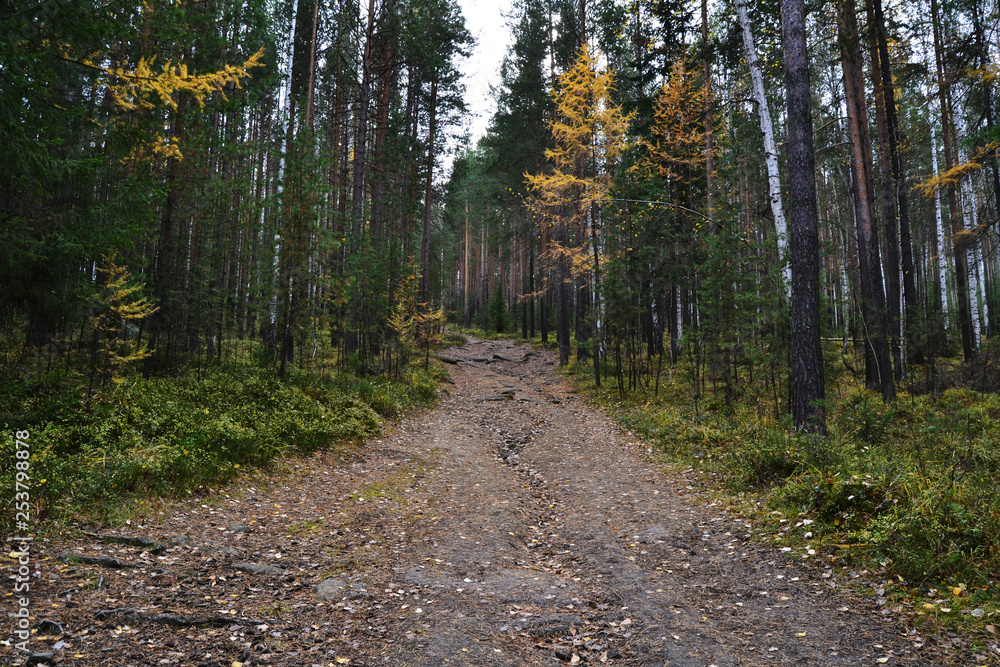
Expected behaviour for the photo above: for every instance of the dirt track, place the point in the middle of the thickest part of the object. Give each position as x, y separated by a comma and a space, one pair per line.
512, 525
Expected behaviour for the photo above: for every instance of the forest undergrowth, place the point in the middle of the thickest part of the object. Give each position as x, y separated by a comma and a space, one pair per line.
903, 491
108, 454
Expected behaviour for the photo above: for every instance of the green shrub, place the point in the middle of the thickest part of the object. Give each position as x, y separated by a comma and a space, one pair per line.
910, 487
170, 436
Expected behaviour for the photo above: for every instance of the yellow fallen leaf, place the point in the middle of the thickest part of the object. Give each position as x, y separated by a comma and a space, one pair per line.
343, 661
883, 660
956, 591
236, 663
800, 634
928, 606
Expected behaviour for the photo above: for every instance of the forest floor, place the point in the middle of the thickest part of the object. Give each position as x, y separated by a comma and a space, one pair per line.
511, 525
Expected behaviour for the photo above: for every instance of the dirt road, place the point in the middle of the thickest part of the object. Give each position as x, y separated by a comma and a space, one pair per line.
511, 525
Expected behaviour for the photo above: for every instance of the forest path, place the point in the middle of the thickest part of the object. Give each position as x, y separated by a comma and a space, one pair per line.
511, 525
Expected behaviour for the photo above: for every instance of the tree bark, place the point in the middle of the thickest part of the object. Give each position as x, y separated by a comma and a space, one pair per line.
888, 190
425, 246
984, 62
361, 130
958, 250
770, 149
466, 314
878, 364
807, 357
910, 306
706, 69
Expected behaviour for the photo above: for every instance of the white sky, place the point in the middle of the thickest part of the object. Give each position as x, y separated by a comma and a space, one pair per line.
488, 26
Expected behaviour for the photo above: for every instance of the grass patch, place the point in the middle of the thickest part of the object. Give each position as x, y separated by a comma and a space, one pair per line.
395, 485
168, 437
908, 489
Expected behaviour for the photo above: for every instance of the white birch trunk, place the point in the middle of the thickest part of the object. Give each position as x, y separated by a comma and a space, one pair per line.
942, 266
970, 214
770, 150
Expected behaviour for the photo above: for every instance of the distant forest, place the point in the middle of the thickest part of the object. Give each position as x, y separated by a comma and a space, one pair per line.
758, 190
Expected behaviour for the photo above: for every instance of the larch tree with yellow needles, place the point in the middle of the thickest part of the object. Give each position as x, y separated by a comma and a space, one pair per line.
589, 133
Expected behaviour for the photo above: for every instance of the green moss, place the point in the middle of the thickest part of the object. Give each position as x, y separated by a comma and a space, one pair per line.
909, 487
167, 437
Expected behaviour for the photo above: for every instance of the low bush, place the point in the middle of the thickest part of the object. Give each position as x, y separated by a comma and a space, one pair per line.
170, 436
909, 487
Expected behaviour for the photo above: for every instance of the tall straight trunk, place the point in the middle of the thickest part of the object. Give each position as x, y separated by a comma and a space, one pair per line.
361, 129
311, 87
941, 246
770, 149
910, 305
425, 245
298, 190
958, 249
381, 130
484, 279
531, 283
563, 292
466, 314
878, 365
596, 349
892, 272
706, 69
807, 355
543, 305
984, 63
522, 283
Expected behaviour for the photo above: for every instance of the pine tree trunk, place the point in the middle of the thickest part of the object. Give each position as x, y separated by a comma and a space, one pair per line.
706, 68
425, 246
563, 293
984, 63
361, 128
878, 364
910, 306
892, 273
807, 357
466, 314
958, 249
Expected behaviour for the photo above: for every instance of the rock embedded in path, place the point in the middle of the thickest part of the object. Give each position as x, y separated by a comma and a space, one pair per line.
330, 589
256, 568
100, 561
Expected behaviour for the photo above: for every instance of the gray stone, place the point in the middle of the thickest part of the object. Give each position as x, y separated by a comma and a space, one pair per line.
256, 568
330, 589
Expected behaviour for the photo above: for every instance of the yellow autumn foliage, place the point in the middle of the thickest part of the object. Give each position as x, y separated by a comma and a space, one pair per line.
135, 88
676, 143
146, 87
589, 131
120, 305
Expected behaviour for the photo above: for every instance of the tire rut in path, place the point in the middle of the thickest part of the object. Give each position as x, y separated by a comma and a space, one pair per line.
512, 525
556, 541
